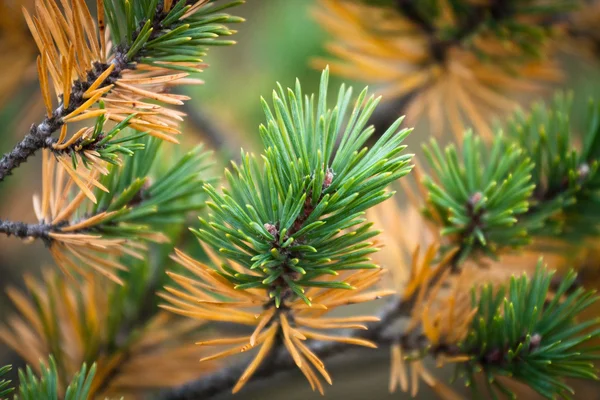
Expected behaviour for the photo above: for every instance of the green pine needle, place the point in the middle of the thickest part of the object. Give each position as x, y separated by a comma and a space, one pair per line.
5, 385
46, 386
517, 332
296, 213
565, 173
480, 192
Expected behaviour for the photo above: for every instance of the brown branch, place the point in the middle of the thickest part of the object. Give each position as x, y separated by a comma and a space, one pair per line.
23, 230
40, 135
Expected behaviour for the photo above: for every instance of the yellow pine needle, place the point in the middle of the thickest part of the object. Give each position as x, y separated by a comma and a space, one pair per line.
188, 297
89, 27
231, 303
200, 285
87, 114
313, 306
47, 173
100, 80
414, 379
315, 361
133, 80
194, 300
77, 336
287, 340
269, 333
361, 298
193, 9
219, 342
43, 78
398, 374
74, 138
98, 267
88, 176
89, 222
101, 28
26, 309
186, 282
144, 125
87, 104
316, 323
64, 263
213, 316
68, 67
265, 318
50, 24
101, 91
169, 99
153, 132
79, 40
262, 353
68, 211
100, 262
236, 350
83, 186
312, 379
206, 272
61, 137
341, 339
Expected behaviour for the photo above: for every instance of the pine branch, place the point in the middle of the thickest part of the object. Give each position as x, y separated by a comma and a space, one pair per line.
151, 29
225, 378
23, 230
39, 135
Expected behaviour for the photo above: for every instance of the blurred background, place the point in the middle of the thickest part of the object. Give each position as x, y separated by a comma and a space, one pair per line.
277, 43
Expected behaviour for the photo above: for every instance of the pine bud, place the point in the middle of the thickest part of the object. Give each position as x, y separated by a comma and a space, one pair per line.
328, 178
475, 198
272, 229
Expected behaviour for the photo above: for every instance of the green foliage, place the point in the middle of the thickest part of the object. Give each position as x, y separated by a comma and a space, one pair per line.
539, 180
109, 147
518, 333
479, 195
297, 215
5, 387
565, 201
151, 200
146, 199
46, 386
155, 36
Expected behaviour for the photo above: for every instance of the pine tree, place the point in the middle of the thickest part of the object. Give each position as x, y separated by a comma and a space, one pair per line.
312, 223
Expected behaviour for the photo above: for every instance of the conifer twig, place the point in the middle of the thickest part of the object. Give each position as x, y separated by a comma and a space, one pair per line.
225, 378
24, 230
39, 135
99, 78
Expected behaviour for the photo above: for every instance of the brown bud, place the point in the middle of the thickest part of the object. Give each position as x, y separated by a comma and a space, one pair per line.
272, 229
583, 171
475, 198
535, 342
328, 178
